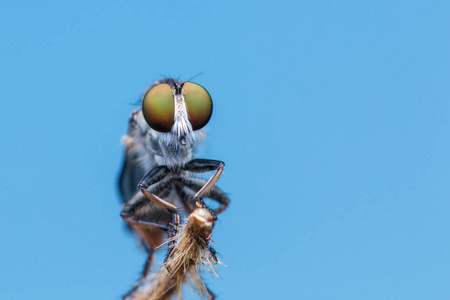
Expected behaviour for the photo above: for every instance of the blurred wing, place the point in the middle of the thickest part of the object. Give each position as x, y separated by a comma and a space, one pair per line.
138, 157
138, 161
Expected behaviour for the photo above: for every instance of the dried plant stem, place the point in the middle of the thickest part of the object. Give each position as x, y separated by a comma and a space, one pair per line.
190, 255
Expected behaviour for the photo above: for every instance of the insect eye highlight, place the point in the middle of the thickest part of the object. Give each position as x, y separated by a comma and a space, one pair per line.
158, 107
198, 103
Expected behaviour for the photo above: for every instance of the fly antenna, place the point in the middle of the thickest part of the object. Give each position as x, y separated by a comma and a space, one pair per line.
195, 76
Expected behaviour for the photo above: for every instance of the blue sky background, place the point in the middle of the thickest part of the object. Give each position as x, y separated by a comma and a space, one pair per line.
332, 117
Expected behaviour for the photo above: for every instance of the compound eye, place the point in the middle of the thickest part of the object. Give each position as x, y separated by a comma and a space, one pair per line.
158, 107
198, 103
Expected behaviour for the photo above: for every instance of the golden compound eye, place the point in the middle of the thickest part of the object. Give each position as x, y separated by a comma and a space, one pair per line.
198, 103
158, 107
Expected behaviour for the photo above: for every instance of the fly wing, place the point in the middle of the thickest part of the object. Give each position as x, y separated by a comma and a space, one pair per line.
138, 159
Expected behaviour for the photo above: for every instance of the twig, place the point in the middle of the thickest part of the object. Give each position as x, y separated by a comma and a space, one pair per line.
190, 255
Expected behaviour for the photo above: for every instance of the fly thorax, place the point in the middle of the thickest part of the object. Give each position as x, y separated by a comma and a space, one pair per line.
175, 155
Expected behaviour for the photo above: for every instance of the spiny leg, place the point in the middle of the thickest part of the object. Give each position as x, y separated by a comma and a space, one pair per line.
155, 183
188, 187
148, 264
148, 186
211, 295
129, 210
202, 166
128, 215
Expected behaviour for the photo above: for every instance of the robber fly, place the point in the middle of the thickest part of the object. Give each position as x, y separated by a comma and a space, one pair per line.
157, 182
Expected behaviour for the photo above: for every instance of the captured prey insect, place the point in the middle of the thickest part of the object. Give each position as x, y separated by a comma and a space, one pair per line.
157, 182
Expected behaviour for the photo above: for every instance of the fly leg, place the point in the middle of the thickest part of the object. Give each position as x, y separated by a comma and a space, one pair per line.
211, 295
154, 182
151, 183
148, 186
202, 166
187, 188
131, 216
145, 272
128, 215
